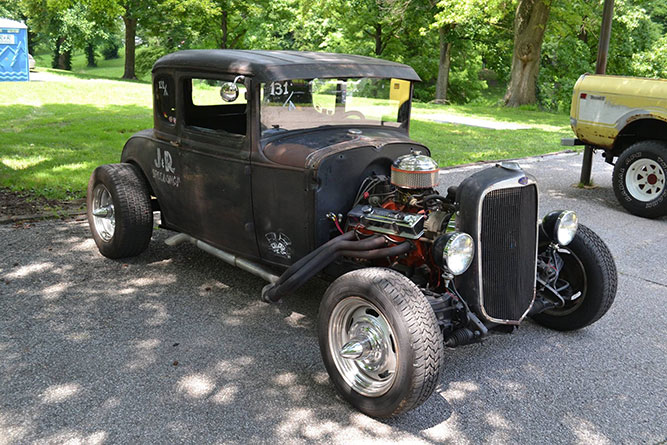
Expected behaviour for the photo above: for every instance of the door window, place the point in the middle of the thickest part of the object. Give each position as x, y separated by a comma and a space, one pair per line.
205, 108
165, 98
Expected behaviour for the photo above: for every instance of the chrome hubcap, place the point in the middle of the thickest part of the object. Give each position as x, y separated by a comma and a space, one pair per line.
103, 213
645, 180
363, 346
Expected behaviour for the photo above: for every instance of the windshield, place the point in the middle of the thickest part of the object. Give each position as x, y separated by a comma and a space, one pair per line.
310, 103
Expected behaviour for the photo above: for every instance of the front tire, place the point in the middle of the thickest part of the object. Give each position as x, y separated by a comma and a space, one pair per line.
590, 269
380, 341
119, 210
640, 179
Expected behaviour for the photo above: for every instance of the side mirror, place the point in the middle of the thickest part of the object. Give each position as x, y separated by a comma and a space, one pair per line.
229, 92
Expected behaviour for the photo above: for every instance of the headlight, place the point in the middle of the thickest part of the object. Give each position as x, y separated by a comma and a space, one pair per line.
561, 226
454, 251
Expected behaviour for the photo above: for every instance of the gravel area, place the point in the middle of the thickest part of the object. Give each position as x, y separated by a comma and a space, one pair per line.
174, 346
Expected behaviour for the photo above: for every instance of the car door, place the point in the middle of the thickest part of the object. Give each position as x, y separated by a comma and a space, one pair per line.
214, 153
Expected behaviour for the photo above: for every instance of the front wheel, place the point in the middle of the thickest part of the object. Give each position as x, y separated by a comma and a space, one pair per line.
380, 341
590, 271
640, 179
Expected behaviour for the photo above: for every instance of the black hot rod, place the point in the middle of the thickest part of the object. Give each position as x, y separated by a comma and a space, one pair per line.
293, 164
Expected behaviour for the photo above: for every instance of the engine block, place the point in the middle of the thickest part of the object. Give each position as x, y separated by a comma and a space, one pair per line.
390, 222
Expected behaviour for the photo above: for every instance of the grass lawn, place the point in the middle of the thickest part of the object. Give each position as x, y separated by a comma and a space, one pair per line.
452, 144
55, 133
112, 69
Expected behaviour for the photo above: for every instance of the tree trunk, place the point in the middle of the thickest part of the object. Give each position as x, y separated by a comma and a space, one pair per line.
378, 39
443, 67
529, 25
225, 31
130, 35
62, 60
90, 55
56, 52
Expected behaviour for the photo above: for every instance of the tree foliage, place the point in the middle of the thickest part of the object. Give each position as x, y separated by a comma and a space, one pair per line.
456, 44
637, 46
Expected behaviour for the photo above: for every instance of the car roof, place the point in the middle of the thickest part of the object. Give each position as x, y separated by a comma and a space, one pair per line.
281, 65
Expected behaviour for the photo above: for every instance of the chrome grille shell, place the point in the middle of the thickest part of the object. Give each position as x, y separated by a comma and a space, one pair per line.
486, 284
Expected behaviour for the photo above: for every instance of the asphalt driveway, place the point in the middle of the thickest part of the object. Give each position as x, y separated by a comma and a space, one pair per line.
174, 346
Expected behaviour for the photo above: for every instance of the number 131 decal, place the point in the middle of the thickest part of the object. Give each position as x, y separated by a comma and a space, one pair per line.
279, 89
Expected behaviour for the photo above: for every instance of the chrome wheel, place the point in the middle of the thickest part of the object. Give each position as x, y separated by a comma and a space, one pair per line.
645, 180
363, 346
103, 213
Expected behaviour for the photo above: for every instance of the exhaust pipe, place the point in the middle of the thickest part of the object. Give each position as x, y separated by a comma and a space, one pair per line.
299, 273
307, 267
227, 257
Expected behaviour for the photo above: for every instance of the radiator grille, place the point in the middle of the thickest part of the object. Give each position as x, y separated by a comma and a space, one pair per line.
508, 245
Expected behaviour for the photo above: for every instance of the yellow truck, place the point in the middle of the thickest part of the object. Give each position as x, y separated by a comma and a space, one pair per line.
627, 118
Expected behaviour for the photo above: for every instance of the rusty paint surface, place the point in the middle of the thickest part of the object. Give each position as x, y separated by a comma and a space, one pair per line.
610, 103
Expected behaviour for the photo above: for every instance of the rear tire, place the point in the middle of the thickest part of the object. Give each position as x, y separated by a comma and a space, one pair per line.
404, 360
590, 269
640, 179
119, 210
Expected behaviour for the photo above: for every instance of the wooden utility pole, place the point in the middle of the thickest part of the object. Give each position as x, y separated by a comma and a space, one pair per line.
600, 68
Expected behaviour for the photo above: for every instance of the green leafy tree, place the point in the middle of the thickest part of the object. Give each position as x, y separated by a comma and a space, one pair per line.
366, 27
134, 13
458, 21
571, 45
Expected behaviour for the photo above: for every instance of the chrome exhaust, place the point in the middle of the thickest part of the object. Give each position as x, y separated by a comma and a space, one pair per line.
227, 257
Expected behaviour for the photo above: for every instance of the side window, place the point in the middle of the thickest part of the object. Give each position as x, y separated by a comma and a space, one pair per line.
165, 98
206, 109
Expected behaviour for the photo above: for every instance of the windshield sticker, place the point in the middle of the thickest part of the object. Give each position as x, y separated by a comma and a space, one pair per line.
280, 244
289, 104
279, 89
162, 86
164, 170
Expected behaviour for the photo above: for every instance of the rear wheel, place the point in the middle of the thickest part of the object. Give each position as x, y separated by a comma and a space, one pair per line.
590, 271
380, 341
119, 210
640, 179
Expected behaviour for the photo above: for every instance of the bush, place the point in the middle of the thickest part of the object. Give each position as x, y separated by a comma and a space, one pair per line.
464, 81
111, 47
146, 58
653, 62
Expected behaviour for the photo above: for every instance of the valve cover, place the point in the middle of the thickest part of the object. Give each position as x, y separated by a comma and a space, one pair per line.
390, 222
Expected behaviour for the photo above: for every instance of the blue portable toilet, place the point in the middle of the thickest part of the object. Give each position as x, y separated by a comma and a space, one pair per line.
13, 51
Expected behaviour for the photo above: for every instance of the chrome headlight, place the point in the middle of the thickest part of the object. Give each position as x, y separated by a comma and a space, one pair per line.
561, 226
454, 251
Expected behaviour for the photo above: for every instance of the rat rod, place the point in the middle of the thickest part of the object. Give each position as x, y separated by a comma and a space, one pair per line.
293, 164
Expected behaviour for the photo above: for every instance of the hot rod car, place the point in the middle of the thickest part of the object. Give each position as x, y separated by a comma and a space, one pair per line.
294, 164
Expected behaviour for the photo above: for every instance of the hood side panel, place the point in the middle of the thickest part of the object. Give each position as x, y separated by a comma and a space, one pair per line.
340, 175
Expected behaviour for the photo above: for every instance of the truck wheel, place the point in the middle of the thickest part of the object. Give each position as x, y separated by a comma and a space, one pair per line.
640, 179
380, 341
589, 268
119, 210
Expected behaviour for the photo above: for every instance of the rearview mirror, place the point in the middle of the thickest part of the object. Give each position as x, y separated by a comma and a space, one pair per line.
229, 92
